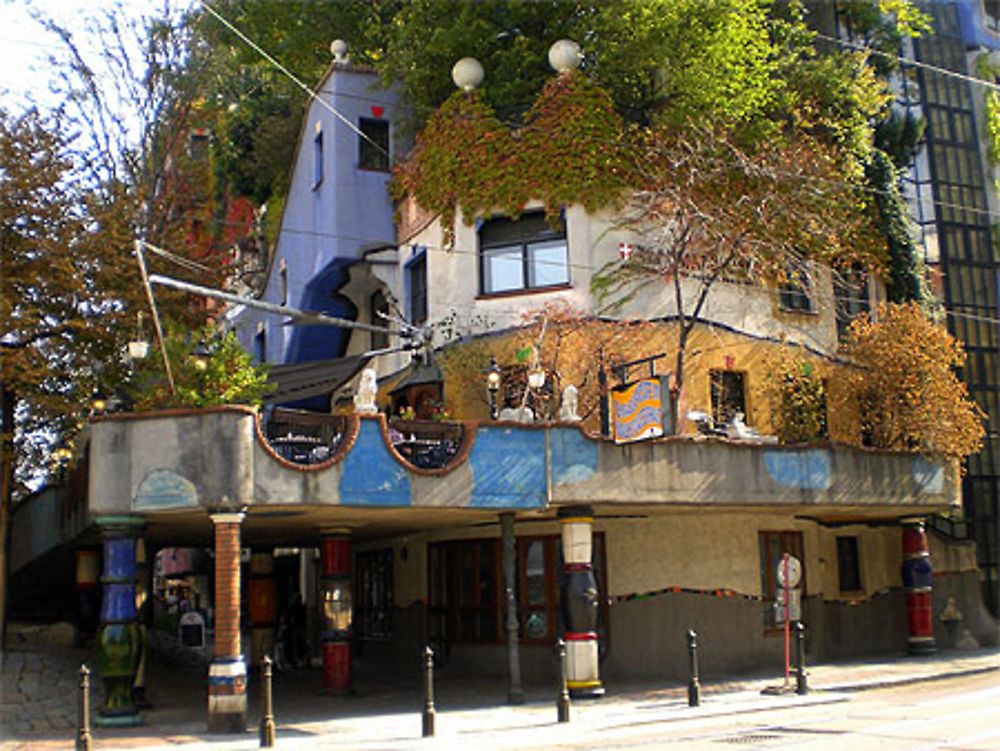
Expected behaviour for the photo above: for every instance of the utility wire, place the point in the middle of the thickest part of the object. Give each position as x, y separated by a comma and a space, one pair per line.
312, 94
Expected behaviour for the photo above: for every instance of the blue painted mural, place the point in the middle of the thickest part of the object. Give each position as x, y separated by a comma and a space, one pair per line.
574, 456
508, 473
165, 489
371, 475
809, 469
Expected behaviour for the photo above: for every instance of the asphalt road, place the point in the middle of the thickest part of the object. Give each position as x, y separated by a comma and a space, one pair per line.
958, 714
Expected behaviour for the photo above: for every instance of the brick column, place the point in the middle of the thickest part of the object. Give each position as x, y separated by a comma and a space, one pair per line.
227, 675
335, 588
580, 602
917, 582
119, 638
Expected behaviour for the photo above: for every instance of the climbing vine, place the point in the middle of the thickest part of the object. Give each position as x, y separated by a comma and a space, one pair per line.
569, 151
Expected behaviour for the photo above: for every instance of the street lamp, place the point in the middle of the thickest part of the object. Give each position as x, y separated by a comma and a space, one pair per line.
98, 401
493, 385
201, 355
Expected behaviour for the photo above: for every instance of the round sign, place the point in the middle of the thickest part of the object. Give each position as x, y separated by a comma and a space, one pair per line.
789, 571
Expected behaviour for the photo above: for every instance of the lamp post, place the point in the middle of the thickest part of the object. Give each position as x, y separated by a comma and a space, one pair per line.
98, 401
201, 355
493, 385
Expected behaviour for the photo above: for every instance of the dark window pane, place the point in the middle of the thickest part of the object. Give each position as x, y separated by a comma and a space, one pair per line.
373, 146
848, 565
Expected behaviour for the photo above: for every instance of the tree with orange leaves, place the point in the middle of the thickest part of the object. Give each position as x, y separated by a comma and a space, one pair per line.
904, 388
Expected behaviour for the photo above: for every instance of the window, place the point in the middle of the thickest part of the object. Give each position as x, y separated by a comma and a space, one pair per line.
727, 394
848, 564
794, 295
373, 144
318, 158
378, 310
991, 15
465, 590
198, 145
416, 285
773, 546
850, 290
537, 594
283, 272
522, 254
373, 594
260, 343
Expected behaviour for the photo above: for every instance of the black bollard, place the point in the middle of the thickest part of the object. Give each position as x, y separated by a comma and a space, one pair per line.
800, 659
562, 701
267, 706
694, 686
83, 730
428, 723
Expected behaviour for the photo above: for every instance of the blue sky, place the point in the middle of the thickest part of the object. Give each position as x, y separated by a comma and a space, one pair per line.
25, 46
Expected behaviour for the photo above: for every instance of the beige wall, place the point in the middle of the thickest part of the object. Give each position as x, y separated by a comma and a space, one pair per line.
707, 551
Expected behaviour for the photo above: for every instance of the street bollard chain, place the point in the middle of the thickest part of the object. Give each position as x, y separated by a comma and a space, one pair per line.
562, 700
267, 706
428, 716
694, 685
83, 719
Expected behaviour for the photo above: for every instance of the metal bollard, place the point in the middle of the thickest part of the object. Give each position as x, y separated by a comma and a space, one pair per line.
83, 730
801, 686
428, 719
562, 701
694, 686
267, 706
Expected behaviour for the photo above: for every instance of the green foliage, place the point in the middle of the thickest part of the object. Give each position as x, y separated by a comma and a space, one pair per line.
797, 396
906, 274
229, 377
899, 136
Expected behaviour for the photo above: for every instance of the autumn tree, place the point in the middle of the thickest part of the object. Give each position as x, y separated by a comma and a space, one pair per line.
904, 388
710, 210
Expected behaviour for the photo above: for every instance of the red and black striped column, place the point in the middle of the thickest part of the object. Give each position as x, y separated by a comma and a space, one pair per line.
335, 592
580, 602
917, 583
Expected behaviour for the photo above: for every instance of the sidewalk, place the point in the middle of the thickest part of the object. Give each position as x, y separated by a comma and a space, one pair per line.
38, 706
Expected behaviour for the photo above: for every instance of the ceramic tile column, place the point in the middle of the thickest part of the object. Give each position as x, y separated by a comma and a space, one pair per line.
227, 675
335, 591
917, 582
580, 602
88, 592
262, 606
119, 637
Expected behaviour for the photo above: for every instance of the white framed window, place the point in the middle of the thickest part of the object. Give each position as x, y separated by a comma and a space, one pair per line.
521, 254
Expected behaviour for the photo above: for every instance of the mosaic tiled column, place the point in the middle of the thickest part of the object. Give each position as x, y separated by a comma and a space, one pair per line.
335, 588
227, 675
262, 606
917, 581
142, 607
119, 638
88, 593
580, 602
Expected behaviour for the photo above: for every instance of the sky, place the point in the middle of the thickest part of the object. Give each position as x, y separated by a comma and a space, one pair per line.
25, 46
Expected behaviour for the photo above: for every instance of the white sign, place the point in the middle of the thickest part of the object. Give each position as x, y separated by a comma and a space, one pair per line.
789, 571
794, 606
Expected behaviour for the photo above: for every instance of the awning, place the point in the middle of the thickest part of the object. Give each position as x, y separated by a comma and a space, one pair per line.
302, 380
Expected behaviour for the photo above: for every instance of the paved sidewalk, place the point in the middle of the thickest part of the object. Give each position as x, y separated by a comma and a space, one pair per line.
38, 706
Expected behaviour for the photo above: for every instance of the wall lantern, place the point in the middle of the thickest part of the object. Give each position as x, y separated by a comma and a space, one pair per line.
493, 386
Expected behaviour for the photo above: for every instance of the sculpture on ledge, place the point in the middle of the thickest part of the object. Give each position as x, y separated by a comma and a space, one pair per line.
364, 400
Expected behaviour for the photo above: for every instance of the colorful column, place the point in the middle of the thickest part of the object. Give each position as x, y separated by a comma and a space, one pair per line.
88, 594
580, 603
142, 608
119, 638
227, 675
262, 606
335, 592
917, 578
